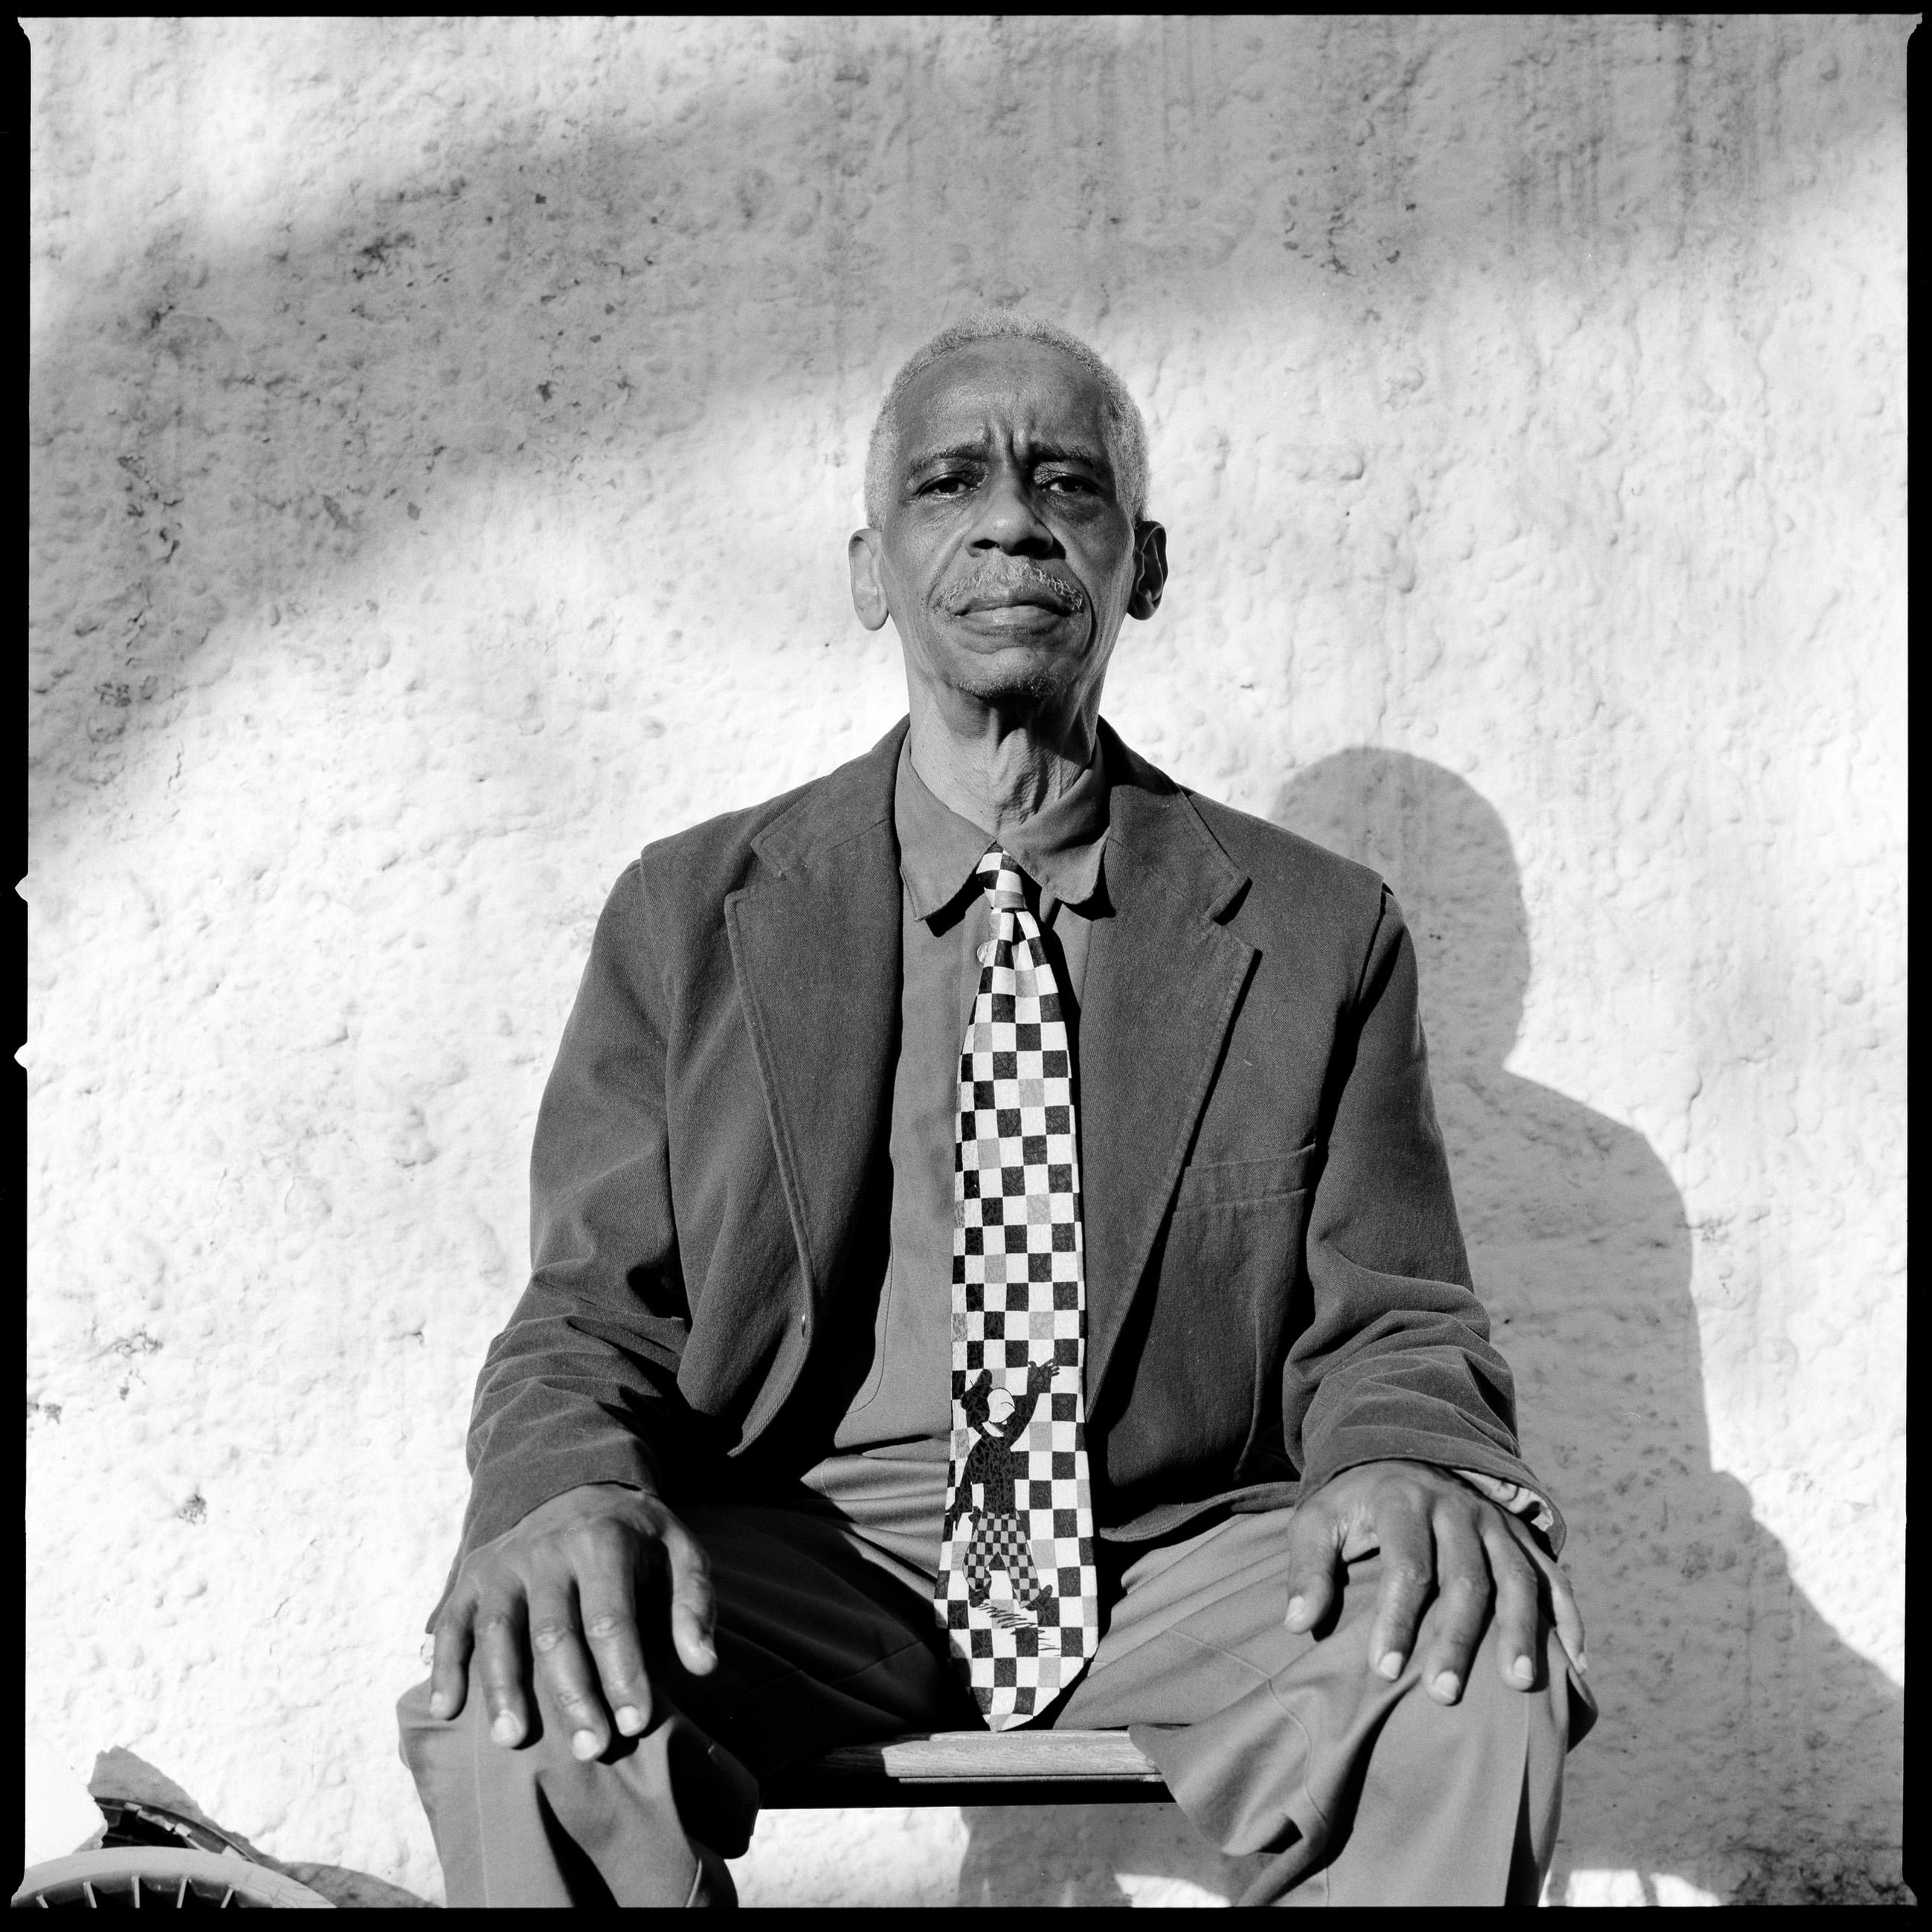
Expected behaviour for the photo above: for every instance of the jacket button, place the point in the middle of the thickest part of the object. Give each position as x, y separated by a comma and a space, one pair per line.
986, 953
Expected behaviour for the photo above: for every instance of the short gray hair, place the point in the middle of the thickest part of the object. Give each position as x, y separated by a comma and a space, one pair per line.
1121, 421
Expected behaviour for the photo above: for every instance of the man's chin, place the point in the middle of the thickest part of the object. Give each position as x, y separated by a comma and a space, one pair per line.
1031, 668
1030, 682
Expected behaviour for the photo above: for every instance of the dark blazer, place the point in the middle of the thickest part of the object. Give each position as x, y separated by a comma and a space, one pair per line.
1277, 1286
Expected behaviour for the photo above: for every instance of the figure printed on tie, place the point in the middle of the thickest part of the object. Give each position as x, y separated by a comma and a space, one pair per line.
996, 1465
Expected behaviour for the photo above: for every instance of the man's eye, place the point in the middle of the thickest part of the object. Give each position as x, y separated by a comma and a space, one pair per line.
1070, 485
944, 486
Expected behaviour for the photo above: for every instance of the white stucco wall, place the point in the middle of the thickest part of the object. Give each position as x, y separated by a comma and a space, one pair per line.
445, 435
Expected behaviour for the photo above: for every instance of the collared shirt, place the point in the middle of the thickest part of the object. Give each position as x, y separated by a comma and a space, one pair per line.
945, 924
887, 1471
888, 1464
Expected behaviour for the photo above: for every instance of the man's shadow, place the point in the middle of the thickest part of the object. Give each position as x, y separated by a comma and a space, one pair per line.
1731, 1709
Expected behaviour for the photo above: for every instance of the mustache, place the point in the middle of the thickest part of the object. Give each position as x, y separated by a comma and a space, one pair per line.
1013, 580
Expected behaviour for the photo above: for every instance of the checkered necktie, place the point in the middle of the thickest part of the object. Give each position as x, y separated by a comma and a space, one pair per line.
1016, 1591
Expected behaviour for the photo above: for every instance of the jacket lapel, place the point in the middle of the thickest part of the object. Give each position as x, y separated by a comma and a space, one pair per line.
815, 948
1163, 980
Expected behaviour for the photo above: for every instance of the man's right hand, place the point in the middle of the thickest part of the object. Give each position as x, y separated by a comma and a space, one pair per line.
564, 1587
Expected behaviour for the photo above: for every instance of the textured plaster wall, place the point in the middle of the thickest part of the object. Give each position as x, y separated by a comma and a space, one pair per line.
444, 437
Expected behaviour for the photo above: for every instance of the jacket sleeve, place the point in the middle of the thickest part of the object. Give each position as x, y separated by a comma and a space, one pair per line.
1395, 1361
581, 1387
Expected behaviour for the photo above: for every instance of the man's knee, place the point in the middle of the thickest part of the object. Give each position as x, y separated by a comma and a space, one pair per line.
1489, 1710
650, 1822
418, 1731
441, 1754
413, 1713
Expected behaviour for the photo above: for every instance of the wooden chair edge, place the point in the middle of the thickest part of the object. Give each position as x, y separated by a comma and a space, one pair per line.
972, 1768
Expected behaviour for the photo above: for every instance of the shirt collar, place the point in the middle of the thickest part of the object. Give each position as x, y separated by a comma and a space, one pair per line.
1061, 847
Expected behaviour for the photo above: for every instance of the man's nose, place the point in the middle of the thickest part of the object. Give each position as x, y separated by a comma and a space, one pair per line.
1010, 521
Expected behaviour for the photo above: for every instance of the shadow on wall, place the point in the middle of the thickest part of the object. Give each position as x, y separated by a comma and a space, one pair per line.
306, 387
1703, 1651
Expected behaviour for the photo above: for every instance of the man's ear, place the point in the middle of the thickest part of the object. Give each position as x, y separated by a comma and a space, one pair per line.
868, 590
1150, 569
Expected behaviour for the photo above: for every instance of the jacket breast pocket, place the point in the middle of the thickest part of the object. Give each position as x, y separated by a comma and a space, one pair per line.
1228, 1182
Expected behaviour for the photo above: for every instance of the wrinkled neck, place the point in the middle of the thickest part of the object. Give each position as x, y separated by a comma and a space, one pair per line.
995, 768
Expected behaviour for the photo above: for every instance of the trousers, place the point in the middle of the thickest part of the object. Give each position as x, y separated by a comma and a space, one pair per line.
1362, 1790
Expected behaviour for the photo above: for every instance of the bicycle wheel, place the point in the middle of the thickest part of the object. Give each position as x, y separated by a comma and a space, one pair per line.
156, 1879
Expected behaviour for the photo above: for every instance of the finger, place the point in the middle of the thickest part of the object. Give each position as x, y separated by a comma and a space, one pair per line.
1463, 1597
499, 1666
449, 1660
1314, 1542
606, 1592
694, 1609
1567, 1618
563, 1664
1519, 1609
1408, 1576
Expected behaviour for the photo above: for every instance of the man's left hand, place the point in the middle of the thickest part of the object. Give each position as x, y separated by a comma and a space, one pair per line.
1439, 1539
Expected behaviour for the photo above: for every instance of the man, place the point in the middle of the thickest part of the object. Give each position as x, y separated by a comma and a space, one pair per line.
995, 1263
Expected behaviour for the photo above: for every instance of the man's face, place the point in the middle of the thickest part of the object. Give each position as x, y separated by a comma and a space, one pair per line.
1006, 559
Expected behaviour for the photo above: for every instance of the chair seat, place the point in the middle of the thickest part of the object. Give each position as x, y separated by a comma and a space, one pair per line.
974, 1768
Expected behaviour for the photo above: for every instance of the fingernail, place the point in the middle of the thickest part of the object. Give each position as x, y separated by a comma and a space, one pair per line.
1390, 1666
583, 1744
506, 1730
440, 1702
1296, 1608
1523, 1670
1583, 1665
1447, 1684
629, 1722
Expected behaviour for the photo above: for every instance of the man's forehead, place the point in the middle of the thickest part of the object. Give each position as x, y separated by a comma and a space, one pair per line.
1031, 389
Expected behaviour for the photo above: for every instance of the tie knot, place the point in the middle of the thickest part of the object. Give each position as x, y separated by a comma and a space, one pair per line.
1001, 880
